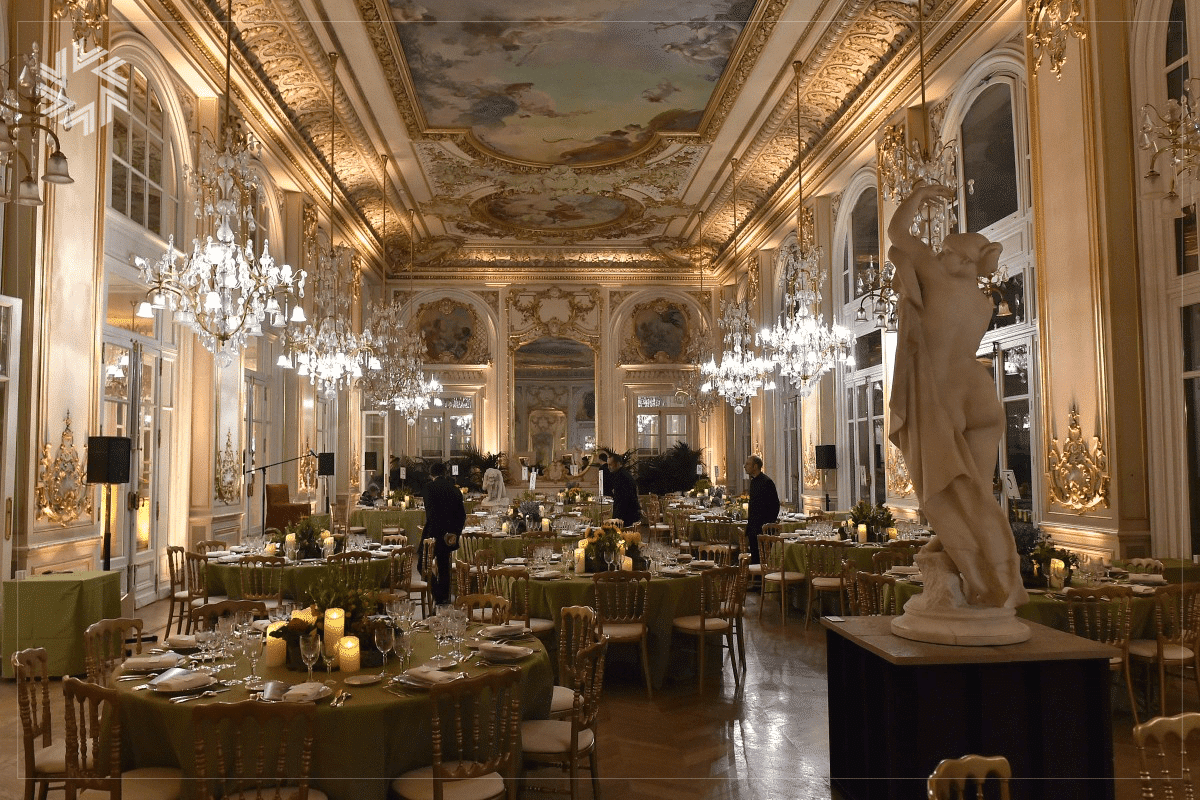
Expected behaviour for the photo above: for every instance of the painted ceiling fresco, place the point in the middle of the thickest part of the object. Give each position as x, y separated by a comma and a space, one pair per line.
574, 82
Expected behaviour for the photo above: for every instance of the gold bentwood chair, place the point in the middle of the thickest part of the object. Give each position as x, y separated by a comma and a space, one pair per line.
1103, 614
44, 760
576, 631
770, 554
953, 778
1177, 614
622, 608
1167, 771
104, 646
719, 607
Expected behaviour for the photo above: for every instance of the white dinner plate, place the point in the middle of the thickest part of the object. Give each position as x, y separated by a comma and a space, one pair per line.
362, 680
190, 690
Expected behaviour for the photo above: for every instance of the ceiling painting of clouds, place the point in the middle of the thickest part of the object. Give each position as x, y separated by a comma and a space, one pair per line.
567, 81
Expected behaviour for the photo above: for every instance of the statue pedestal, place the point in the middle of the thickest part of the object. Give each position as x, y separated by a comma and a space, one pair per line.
897, 707
975, 626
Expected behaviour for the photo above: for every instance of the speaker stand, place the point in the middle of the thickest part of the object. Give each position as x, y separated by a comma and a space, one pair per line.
107, 554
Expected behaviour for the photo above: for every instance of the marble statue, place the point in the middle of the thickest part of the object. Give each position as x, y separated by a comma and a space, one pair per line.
947, 421
493, 484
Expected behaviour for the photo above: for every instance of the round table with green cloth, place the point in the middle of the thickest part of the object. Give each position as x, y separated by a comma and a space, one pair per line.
667, 599
1051, 611
412, 520
511, 546
1175, 570
358, 748
795, 556
223, 579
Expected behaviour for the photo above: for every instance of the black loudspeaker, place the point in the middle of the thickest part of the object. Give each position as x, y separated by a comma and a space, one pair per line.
324, 463
372, 459
108, 459
826, 456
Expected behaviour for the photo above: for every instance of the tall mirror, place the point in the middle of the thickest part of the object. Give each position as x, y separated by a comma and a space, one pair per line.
554, 403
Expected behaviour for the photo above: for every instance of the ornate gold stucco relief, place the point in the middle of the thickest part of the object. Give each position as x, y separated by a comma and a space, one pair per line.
227, 474
1078, 474
62, 493
899, 482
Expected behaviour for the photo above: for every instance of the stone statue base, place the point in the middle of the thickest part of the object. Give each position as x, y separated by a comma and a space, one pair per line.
975, 626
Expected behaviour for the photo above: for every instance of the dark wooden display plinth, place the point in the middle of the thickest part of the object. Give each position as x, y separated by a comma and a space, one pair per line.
898, 707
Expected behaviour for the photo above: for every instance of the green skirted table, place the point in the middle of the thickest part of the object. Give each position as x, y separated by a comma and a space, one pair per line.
668, 598
795, 556
412, 520
223, 579
52, 611
510, 546
358, 747
1175, 570
1052, 612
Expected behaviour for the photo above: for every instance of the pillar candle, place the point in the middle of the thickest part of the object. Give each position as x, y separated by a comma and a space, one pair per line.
545, 524
580, 560
746, 507
348, 655
290, 539
335, 626
504, 527
403, 505
276, 655
306, 614
627, 564
862, 534
892, 533
270, 548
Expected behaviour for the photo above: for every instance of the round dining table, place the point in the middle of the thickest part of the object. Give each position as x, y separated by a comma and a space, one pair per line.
297, 578
377, 735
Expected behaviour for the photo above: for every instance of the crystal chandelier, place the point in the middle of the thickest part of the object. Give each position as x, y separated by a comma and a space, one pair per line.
800, 343
741, 372
1173, 135
400, 381
906, 161
87, 19
1050, 23
328, 352
221, 290
24, 110
876, 285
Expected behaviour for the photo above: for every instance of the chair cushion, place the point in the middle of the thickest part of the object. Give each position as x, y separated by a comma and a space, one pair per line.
50, 760
755, 569
182, 594
827, 583
1148, 648
786, 576
285, 793
692, 623
215, 598
150, 783
418, 585
624, 632
552, 737
562, 700
417, 784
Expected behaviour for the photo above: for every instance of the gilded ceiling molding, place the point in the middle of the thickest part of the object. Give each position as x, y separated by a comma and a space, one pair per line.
617, 297
1078, 474
227, 473
899, 482
491, 299
62, 492
552, 311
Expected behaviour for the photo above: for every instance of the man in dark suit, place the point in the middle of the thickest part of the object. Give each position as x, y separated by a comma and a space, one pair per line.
764, 504
445, 516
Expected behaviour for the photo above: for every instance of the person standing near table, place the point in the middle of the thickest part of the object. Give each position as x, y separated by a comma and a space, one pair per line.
624, 492
764, 504
445, 516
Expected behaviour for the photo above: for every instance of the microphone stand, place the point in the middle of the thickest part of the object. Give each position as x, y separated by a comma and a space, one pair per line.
263, 469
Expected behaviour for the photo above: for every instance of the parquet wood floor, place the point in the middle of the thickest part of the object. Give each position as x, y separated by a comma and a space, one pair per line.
768, 742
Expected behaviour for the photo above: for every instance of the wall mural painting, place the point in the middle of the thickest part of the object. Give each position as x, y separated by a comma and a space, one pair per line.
453, 334
657, 332
512, 74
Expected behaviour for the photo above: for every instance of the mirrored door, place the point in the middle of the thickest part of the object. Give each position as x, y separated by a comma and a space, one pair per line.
10, 325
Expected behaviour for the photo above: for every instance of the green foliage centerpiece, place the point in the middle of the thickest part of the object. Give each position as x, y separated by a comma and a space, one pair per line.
877, 518
309, 536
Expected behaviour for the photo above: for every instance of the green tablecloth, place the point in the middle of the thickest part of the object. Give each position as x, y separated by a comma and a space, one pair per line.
1175, 570
795, 558
376, 519
1052, 612
223, 578
358, 748
52, 611
668, 598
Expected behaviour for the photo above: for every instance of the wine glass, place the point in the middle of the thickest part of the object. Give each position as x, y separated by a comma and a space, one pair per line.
205, 639
609, 557
252, 647
327, 658
385, 639
310, 649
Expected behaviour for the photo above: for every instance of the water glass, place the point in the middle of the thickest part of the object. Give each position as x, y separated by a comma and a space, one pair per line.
385, 640
252, 647
310, 650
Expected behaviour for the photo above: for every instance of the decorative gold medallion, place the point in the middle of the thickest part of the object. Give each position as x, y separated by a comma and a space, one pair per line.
62, 493
1078, 474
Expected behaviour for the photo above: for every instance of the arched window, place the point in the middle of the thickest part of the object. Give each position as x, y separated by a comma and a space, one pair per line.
861, 244
143, 183
989, 158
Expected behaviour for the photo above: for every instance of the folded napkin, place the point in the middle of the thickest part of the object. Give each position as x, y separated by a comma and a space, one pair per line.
216, 553
901, 569
229, 559
149, 662
305, 692
183, 681
548, 575
1148, 579
430, 675
503, 651
1143, 591
182, 640
508, 629
514, 561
